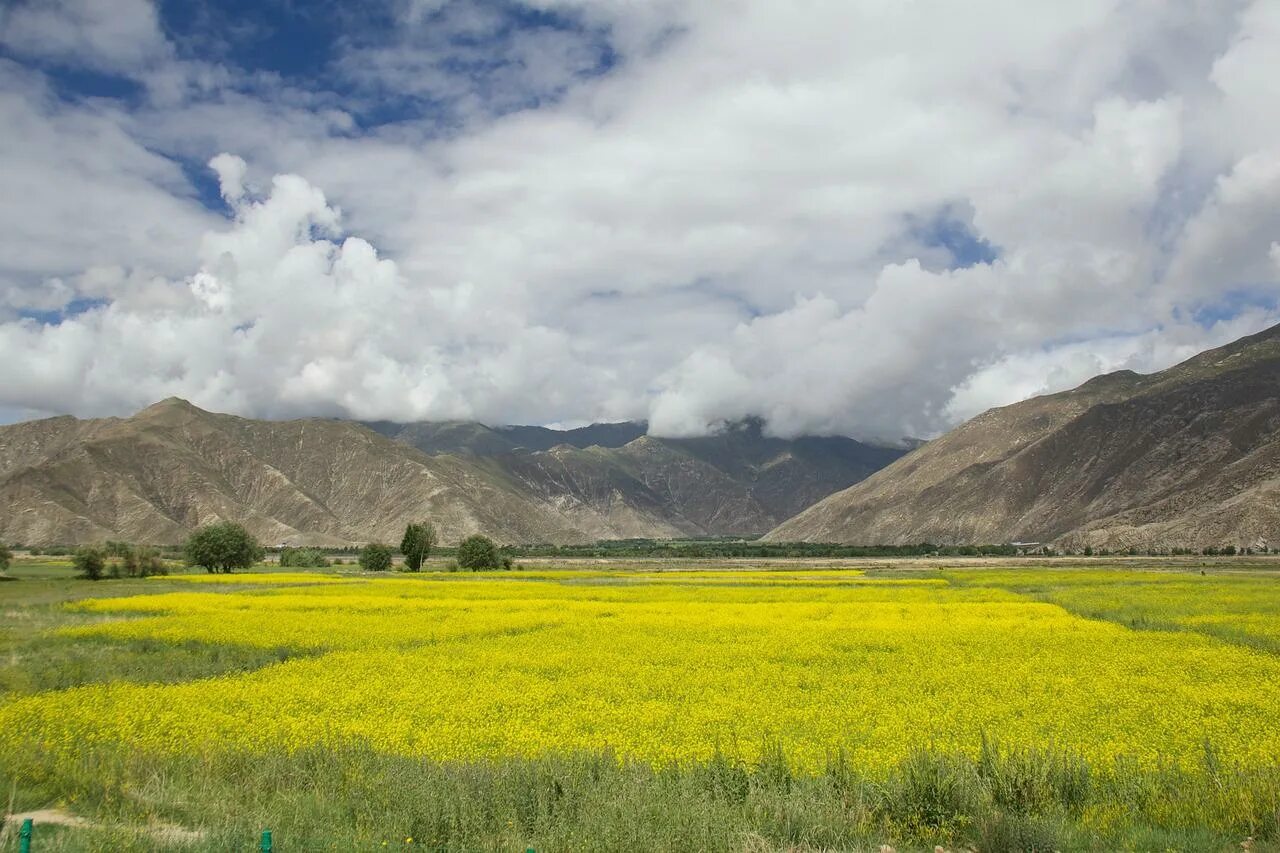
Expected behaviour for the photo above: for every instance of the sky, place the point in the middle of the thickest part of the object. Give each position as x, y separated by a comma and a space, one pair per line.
864, 217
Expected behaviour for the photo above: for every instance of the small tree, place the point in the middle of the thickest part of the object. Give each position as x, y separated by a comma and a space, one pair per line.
89, 562
6, 557
375, 557
416, 545
478, 553
222, 547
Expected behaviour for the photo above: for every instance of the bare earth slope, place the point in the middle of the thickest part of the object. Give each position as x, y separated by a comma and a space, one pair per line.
1188, 457
736, 482
173, 467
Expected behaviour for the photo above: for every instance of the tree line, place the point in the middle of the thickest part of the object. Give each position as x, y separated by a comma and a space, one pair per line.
226, 546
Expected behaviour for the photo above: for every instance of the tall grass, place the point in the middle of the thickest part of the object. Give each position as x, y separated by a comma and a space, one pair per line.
353, 798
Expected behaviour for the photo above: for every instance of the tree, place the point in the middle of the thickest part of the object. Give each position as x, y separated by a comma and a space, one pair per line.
375, 557
477, 553
416, 545
6, 557
89, 562
222, 547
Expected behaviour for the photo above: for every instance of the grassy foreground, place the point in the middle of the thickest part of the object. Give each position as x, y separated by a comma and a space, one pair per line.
879, 708
353, 798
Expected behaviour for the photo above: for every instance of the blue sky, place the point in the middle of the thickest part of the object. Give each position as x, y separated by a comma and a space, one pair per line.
868, 219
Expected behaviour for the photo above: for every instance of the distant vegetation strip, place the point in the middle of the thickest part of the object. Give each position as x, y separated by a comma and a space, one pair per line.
731, 548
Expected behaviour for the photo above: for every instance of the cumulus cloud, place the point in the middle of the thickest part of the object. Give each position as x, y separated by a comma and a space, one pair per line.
871, 218
286, 316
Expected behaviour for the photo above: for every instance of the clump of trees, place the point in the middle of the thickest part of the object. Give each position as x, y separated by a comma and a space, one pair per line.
375, 557
303, 558
133, 561
478, 553
416, 545
6, 557
51, 551
222, 547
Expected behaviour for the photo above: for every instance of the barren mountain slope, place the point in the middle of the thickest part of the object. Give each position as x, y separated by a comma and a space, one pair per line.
172, 467
1185, 457
475, 439
735, 482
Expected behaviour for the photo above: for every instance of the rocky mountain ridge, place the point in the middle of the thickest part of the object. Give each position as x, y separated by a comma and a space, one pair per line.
1187, 457
172, 467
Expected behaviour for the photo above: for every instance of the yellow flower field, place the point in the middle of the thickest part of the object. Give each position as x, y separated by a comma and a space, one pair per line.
669, 669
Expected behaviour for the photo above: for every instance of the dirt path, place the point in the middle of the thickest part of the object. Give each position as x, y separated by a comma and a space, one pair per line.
165, 833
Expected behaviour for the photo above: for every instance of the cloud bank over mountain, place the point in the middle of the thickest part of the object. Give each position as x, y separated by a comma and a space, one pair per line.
870, 218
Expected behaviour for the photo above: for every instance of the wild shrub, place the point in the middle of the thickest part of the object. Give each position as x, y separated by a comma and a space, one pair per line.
89, 562
303, 558
144, 562
375, 557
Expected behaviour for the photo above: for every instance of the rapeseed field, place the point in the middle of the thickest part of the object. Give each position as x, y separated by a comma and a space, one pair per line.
667, 670
675, 671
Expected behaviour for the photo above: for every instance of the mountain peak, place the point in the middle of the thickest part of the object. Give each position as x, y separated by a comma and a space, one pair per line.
169, 406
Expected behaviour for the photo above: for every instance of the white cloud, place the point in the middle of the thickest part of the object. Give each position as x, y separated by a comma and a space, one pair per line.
1048, 370
82, 195
728, 223
111, 35
287, 317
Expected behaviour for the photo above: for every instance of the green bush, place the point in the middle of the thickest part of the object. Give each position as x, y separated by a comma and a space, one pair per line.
223, 547
375, 557
89, 562
478, 553
6, 557
303, 558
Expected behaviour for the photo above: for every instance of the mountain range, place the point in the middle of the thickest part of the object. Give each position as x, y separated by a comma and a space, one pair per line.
156, 476
1187, 457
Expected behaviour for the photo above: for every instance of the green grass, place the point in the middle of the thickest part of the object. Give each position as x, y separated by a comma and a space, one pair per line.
352, 798
33, 657
1238, 607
